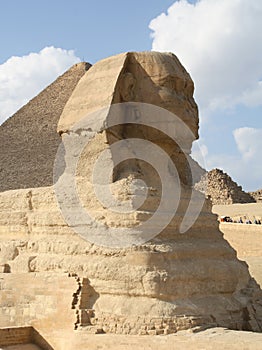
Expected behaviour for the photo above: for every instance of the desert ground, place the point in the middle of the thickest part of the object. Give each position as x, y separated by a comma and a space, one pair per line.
211, 339
249, 210
246, 239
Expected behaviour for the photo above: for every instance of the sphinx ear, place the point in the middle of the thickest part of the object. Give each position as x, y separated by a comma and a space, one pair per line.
127, 87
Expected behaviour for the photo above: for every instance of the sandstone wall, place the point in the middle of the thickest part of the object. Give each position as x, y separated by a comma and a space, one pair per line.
39, 300
16, 335
246, 239
22, 337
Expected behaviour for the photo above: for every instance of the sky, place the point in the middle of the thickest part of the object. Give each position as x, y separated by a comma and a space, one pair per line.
218, 41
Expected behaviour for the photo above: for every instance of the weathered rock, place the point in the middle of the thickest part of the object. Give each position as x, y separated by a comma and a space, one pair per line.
146, 77
172, 281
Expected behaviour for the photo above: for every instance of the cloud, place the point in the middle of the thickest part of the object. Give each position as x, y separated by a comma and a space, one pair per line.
249, 144
200, 152
21, 78
244, 167
220, 44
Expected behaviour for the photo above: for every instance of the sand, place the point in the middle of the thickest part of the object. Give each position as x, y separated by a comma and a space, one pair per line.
210, 339
250, 210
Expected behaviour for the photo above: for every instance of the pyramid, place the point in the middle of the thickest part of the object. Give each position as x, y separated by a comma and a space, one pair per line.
28, 139
257, 195
222, 189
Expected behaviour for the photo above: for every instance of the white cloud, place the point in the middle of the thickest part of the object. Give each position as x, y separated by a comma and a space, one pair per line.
220, 44
200, 152
249, 144
21, 78
245, 167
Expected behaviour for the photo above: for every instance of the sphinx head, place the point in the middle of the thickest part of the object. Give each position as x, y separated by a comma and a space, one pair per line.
158, 79
153, 78
154, 87
148, 77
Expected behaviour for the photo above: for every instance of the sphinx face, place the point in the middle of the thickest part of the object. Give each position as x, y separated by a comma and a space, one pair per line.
149, 77
153, 78
161, 80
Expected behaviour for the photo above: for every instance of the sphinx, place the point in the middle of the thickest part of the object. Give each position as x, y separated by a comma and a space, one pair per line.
126, 137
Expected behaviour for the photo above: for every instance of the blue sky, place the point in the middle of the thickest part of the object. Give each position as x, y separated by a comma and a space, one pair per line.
219, 43
94, 29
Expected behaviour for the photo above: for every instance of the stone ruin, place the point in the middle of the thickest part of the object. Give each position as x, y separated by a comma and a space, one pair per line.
53, 278
257, 195
222, 189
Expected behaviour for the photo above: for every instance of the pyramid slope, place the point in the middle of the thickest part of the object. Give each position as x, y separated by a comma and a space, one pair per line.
222, 189
29, 140
257, 195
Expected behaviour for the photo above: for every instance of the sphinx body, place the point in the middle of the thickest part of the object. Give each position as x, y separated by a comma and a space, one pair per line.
168, 281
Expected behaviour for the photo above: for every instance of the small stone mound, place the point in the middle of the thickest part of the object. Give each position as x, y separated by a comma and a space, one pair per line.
222, 189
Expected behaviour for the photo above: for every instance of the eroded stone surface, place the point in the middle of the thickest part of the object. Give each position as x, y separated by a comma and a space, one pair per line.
173, 281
